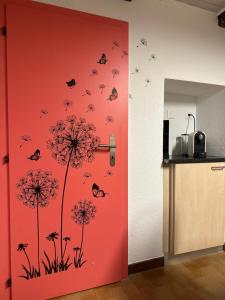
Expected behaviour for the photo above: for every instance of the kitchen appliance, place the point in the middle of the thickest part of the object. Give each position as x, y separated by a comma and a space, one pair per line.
165, 138
197, 144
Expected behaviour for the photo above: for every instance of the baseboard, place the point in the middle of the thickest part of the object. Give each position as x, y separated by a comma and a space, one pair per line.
146, 265
223, 247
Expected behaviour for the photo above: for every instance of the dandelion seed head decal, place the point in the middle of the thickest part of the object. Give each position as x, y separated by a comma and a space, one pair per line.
153, 57
115, 72
102, 87
94, 72
43, 112
73, 141
37, 188
25, 139
67, 104
52, 236
22, 247
83, 212
142, 42
147, 82
115, 45
124, 53
87, 92
109, 119
90, 108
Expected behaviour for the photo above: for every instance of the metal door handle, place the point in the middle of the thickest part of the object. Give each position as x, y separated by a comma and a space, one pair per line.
217, 168
112, 149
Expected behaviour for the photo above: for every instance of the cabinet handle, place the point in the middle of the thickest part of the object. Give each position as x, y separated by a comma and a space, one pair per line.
217, 168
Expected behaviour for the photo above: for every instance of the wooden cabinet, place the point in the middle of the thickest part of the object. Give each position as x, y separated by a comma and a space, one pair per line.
196, 207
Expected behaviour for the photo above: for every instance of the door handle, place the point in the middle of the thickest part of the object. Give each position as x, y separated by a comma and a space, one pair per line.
111, 147
217, 168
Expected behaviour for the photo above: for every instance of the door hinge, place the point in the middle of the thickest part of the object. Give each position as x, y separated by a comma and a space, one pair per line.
9, 282
3, 30
5, 159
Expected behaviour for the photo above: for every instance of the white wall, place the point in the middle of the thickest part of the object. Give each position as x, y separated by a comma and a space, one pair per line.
211, 119
176, 110
189, 46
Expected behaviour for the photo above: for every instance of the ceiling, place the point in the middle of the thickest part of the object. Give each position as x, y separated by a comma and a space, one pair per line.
211, 5
189, 88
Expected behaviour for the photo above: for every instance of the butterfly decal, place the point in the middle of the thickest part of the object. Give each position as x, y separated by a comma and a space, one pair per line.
113, 95
36, 155
97, 192
71, 83
103, 60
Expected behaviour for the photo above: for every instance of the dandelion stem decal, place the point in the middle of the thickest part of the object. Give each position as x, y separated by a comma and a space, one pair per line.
73, 142
36, 189
82, 213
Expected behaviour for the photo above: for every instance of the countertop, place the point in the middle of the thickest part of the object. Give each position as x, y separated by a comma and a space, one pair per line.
176, 159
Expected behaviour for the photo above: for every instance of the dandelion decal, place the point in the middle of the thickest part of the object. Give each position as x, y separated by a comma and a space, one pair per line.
147, 82
67, 104
35, 191
66, 239
90, 108
94, 72
73, 142
31, 272
124, 53
86, 176
43, 112
25, 139
82, 214
153, 57
87, 92
115, 45
136, 71
115, 72
101, 87
108, 173
109, 120
142, 42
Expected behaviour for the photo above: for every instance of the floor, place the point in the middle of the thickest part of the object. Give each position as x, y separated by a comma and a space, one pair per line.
201, 278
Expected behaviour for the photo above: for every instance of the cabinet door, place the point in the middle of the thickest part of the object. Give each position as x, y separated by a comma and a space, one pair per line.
199, 206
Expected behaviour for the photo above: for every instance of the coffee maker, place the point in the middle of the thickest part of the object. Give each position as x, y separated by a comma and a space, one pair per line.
197, 144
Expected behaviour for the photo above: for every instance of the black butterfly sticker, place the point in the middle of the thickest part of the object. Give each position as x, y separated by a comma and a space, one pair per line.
103, 60
71, 83
113, 95
97, 192
36, 155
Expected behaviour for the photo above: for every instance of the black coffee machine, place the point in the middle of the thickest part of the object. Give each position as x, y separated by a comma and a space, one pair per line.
197, 144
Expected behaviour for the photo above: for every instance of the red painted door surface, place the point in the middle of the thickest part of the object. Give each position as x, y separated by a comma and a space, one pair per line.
67, 93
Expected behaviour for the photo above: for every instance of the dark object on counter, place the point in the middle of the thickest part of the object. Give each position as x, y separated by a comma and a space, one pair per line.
165, 138
197, 144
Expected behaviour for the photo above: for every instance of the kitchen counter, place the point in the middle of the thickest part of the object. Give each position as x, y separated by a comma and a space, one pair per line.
176, 159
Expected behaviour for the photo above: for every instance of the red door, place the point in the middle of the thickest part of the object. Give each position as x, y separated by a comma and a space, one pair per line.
67, 95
